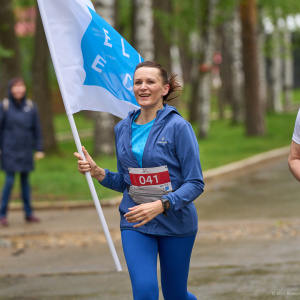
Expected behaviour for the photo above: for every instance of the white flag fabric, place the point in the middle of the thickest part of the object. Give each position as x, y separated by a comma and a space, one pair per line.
94, 64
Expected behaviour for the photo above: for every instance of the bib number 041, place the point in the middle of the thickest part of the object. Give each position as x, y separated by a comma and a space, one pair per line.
148, 180
149, 176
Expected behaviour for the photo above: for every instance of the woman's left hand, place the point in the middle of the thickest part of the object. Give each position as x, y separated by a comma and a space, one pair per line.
144, 213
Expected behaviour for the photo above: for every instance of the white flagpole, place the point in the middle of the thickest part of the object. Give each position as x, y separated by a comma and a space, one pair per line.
76, 137
95, 196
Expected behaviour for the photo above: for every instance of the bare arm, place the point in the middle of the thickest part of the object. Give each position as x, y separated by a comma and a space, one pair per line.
294, 160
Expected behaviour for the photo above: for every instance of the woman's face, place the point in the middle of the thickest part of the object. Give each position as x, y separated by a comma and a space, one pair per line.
148, 87
18, 90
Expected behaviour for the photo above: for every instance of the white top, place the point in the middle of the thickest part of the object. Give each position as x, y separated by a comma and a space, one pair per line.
296, 134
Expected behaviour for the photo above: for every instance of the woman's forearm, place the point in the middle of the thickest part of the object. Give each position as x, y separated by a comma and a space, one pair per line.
294, 165
294, 160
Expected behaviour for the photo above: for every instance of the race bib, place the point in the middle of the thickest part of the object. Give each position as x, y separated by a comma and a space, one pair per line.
149, 184
150, 176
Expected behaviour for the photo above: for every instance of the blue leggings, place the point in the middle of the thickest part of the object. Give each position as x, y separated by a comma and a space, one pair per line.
141, 251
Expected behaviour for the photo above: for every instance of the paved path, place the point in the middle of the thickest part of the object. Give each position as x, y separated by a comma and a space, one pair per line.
247, 247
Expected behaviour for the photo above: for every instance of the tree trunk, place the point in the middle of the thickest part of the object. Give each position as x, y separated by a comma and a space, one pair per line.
11, 61
288, 68
191, 56
162, 43
195, 42
226, 91
186, 63
176, 66
262, 59
204, 84
238, 79
40, 87
104, 141
254, 106
276, 71
107, 10
142, 37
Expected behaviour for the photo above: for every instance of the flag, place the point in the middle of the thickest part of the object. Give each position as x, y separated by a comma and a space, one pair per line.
94, 64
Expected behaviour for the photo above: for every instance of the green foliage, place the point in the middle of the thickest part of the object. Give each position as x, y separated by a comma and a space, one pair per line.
61, 123
26, 51
183, 19
188, 17
24, 3
296, 96
225, 10
124, 19
228, 143
6, 53
56, 177
286, 7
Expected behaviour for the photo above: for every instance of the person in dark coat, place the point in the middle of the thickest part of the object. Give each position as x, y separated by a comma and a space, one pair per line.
20, 135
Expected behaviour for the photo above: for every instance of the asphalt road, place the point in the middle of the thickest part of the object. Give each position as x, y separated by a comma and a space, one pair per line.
247, 246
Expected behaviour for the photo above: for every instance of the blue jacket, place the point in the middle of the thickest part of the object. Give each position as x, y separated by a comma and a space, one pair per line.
171, 142
20, 134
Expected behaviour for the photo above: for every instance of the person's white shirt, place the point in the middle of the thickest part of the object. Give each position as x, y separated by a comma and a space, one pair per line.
294, 157
296, 134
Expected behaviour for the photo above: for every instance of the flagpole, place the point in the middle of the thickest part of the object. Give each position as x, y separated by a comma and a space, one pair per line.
95, 196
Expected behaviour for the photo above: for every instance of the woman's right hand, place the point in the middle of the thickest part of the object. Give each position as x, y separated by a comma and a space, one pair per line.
89, 165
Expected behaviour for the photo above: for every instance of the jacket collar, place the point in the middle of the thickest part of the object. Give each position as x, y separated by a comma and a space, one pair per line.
161, 114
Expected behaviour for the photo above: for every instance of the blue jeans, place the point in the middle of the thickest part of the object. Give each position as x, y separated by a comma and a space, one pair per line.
141, 252
9, 182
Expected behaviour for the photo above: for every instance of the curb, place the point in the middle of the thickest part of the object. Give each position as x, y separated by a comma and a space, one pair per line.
246, 165
65, 205
233, 169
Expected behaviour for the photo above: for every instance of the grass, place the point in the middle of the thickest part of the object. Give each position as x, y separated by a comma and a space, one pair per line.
227, 143
56, 178
61, 123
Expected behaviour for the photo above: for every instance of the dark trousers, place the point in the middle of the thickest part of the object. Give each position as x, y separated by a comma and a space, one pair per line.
9, 182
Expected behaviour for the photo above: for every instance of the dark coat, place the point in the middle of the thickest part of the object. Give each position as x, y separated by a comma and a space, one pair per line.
20, 135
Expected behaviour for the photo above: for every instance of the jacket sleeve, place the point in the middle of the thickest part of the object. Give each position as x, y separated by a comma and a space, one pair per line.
37, 131
1, 124
115, 180
187, 150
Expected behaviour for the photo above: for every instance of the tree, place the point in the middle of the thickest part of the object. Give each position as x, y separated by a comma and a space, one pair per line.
40, 87
263, 87
171, 53
202, 45
276, 70
142, 37
231, 72
104, 142
277, 11
9, 47
123, 18
162, 41
254, 106
288, 67
203, 92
